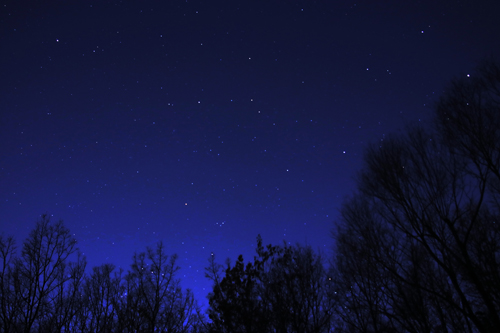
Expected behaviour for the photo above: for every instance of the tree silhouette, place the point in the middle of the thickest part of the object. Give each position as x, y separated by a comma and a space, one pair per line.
234, 304
297, 289
41, 271
155, 300
10, 311
417, 250
42, 291
65, 300
101, 291
286, 289
418, 246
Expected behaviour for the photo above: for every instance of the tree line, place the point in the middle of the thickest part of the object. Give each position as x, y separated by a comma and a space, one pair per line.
42, 291
416, 249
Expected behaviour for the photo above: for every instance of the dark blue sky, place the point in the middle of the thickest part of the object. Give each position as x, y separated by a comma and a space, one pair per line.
205, 123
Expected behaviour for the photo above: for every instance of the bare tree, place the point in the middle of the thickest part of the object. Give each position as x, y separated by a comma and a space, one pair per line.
418, 247
155, 300
9, 303
100, 292
296, 287
41, 270
64, 299
42, 291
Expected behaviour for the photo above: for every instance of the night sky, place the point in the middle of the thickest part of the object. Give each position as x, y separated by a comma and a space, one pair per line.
205, 123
